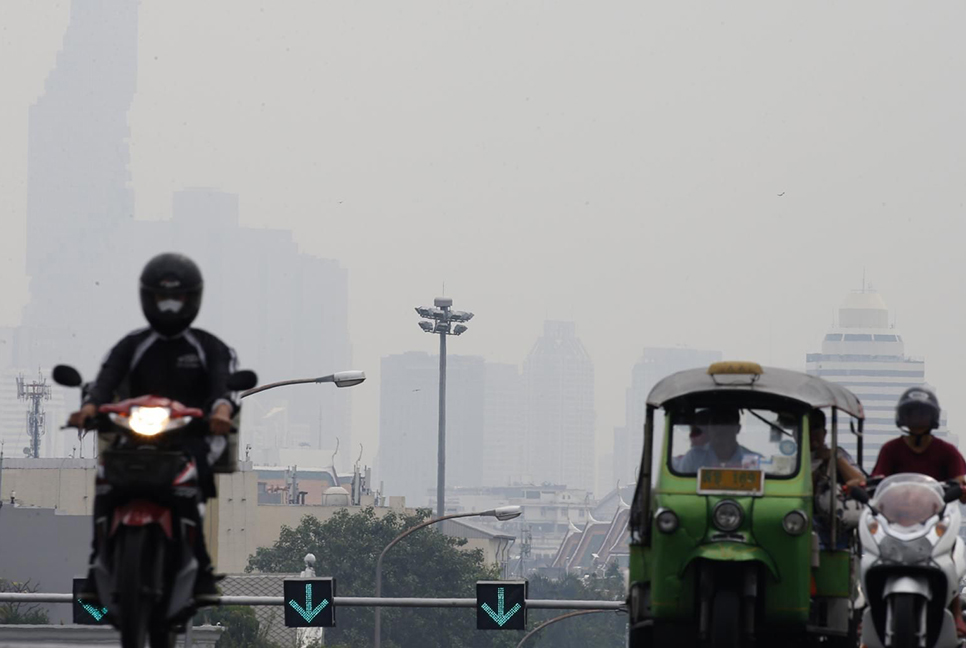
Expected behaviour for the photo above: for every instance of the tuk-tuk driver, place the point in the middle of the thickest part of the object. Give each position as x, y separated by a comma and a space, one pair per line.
721, 426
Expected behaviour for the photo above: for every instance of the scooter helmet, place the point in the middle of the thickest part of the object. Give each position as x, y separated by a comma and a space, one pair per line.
917, 404
171, 287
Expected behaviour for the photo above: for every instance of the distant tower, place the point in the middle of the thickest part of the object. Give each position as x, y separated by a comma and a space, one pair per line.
559, 379
867, 356
79, 193
35, 393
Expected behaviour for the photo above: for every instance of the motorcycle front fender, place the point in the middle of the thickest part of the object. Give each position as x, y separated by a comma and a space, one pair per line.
905, 584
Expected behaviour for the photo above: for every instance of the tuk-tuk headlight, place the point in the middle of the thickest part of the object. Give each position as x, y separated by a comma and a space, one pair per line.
667, 521
727, 515
795, 523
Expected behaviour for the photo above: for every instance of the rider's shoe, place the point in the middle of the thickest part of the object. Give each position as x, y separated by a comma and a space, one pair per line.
206, 584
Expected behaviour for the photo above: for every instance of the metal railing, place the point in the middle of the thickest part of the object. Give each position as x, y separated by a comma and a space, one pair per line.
346, 601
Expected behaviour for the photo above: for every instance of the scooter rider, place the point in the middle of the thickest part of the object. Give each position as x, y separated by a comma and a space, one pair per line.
171, 360
918, 451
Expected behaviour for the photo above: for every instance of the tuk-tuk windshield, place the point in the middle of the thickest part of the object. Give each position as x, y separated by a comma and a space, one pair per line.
722, 437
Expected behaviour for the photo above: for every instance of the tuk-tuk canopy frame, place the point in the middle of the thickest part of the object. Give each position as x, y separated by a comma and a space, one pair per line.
810, 391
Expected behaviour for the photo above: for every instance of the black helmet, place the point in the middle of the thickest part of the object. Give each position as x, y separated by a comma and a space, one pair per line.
171, 287
917, 400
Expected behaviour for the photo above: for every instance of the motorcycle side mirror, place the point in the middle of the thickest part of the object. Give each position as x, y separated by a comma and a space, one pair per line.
859, 494
953, 492
66, 375
242, 380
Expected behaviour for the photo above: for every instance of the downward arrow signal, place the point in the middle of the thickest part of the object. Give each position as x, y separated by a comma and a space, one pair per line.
97, 613
500, 617
308, 612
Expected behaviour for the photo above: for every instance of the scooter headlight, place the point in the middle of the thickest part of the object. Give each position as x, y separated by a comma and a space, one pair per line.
149, 421
795, 523
727, 515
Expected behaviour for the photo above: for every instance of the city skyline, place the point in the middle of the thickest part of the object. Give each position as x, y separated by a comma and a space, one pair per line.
655, 216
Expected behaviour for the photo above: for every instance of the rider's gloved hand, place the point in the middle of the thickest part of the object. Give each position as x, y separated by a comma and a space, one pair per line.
220, 420
78, 418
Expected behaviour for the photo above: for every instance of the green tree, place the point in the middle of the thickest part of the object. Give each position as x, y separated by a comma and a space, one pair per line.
21, 613
242, 629
426, 564
601, 630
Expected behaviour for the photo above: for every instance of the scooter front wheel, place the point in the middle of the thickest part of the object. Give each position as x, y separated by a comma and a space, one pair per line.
906, 613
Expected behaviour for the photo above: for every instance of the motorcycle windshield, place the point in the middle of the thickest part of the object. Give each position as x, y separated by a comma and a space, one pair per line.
909, 504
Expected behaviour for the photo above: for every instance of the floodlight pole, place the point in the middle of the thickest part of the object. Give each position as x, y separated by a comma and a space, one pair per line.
441, 450
439, 321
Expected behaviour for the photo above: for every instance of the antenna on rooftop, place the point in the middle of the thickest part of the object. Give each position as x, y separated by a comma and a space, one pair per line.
35, 393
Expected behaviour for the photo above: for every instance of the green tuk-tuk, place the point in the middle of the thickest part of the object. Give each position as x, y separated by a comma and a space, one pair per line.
728, 545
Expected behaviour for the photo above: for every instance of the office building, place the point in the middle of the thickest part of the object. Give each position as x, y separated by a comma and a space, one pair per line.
559, 378
866, 354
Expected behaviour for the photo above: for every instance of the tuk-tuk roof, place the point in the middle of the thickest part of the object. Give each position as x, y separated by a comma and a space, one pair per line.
793, 385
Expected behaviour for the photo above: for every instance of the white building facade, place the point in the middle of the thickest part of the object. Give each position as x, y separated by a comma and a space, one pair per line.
867, 356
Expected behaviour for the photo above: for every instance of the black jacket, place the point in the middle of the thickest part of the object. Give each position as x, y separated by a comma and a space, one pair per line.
191, 368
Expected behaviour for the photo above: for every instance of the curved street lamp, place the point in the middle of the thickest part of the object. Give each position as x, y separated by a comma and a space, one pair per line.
502, 513
341, 379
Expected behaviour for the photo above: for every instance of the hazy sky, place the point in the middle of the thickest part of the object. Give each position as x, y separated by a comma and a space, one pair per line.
615, 163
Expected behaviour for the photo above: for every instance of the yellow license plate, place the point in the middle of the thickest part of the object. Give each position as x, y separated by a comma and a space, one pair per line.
733, 481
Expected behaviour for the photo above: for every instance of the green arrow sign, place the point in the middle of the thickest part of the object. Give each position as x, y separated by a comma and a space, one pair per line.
308, 612
97, 613
309, 602
500, 616
501, 605
86, 611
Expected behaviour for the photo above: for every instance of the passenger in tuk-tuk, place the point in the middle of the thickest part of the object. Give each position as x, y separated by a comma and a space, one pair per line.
847, 474
721, 427
918, 451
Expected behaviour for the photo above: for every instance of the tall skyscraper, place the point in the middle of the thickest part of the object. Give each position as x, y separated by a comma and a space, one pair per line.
867, 355
655, 364
504, 426
285, 313
559, 378
408, 424
78, 183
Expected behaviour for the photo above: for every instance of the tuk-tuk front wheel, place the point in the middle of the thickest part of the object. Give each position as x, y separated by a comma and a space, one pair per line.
725, 627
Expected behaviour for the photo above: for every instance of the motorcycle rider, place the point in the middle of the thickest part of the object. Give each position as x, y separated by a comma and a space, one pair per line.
918, 451
171, 360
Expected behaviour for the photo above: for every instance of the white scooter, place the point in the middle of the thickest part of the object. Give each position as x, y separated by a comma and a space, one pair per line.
912, 562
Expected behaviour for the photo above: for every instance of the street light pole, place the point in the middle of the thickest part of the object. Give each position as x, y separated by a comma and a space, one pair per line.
442, 320
503, 513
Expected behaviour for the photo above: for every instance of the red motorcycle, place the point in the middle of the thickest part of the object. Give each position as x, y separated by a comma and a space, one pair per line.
146, 568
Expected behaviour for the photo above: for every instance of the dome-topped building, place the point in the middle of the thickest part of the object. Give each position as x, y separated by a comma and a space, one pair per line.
866, 354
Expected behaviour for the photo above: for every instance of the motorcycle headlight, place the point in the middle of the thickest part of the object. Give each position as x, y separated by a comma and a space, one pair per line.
149, 421
667, 521
727, 515
795, 523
